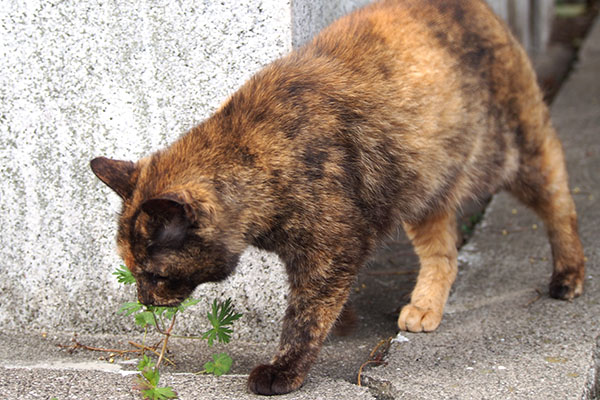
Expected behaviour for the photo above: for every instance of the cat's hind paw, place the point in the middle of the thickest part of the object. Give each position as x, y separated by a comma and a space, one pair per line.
269, 380
567, 285
417, 319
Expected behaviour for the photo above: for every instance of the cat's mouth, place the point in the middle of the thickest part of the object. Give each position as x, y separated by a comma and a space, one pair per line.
159, 301
170, 303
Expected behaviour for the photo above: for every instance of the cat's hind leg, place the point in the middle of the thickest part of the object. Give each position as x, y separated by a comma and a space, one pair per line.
542, 184
434, 240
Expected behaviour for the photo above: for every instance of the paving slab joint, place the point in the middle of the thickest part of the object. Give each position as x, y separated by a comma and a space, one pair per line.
593, 387
381, 389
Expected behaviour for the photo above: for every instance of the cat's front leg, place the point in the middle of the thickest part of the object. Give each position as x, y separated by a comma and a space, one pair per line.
434, 240
314, 305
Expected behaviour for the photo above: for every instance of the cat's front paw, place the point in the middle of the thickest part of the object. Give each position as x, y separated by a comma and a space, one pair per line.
417, 319
270, 380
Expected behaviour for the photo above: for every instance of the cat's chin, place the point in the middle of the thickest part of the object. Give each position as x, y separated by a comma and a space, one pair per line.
168, 303
162, 302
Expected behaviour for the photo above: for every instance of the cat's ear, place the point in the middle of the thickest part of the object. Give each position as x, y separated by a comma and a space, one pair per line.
174, 221
116, 174
167, 206
175, 205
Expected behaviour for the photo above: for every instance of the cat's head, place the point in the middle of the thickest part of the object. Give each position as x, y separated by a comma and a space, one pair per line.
170, 235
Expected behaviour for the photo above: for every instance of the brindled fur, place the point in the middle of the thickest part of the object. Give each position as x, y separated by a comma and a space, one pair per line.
394, 115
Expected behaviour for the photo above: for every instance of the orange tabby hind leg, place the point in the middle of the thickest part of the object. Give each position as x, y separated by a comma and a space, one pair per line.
434, 240
542, 184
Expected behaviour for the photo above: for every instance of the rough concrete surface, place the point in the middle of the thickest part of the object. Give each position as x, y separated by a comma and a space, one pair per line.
309, 16
34, 367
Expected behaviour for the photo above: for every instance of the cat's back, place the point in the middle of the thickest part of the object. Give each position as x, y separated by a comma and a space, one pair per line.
409, 105
456, 27
442, 85
415, 43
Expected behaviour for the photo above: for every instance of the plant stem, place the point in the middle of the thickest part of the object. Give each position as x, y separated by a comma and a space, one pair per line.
144, 339
374, 357
166, 340
188, 337
78, 345
156, 353
156, 323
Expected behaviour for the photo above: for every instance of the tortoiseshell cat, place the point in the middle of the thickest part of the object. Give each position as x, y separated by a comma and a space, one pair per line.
395, 114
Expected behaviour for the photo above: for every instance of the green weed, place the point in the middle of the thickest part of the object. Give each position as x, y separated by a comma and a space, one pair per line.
221, 317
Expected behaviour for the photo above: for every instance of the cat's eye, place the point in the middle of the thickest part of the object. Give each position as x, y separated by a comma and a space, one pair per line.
155, 278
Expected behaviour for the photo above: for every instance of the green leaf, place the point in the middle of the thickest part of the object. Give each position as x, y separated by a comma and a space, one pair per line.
165, 393
213, 316
222, 315
124, 276
170, 312
220, 365
227, 316
148, 382
152, 376
188, 303
164, 312
130, 308
144, 363
145, 318
224, 335
210, 335
160, 393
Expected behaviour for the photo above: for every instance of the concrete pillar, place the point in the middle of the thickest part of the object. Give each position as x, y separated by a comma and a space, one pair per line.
542, 17
530, 20
309, 17
519, 18
500, 7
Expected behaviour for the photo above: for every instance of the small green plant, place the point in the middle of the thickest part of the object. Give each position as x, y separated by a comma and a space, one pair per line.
221, 318
220, 365
124, 276
468, 225
148, 381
